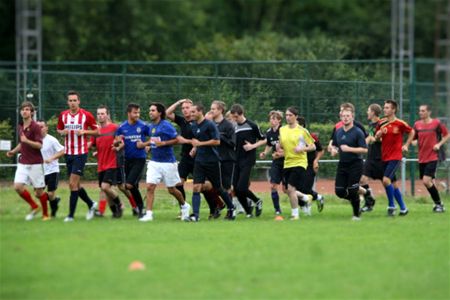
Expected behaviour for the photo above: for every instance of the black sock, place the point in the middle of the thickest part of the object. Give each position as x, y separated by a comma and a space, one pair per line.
355, 206
84, 196
73, 203
137, 198
210, 199
226, 198
366, 187
181, 189
314, 194
242, 197
252, 196
116, 201
434, 194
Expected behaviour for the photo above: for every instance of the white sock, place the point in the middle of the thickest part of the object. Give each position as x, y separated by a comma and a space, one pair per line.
149, 212
305, 198
295, 211
185, 205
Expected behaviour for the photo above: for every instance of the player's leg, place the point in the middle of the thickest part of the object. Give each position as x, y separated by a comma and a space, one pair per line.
213, 174
51, 181
21, 178
240, 184
354, 172
427, 174
133, 171
37, 180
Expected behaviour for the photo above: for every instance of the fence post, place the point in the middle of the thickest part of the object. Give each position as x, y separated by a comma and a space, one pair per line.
412, 105
216, 81
124, 87
308, 101
113, 96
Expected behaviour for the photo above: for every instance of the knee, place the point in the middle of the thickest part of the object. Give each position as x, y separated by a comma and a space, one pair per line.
38, 192
197, 188
341, 192
151, 187
18, 188
353, 192
427, 181
274, 187
386, 181
129, 186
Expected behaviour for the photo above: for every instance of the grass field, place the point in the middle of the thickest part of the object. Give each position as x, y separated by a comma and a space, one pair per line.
325, 256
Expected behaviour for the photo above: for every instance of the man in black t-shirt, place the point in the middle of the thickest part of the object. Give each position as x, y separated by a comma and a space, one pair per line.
248, 138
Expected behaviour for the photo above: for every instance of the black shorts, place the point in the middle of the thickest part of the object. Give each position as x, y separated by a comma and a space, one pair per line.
295, 176
276, 172
373, 169
210, 171
428, 169
133, 170
185, 167
309, 179
226, 169
390, 167
108, 176
75, 164
348, 174
51, 181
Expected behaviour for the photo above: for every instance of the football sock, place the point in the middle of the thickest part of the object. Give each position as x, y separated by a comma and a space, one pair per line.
43, 199
226, 198
390, 195
434, 194
196, 203
131, 200
295, 211
219, 202
181, 189
355, 205
84, 196
252, 196
27, 197
73, 203
116, 201
137, 198
275, 200
399, 198
366, 187
210, 199
242, 197
102, 206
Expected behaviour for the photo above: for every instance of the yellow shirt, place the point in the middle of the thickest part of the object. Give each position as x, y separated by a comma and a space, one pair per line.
289, 139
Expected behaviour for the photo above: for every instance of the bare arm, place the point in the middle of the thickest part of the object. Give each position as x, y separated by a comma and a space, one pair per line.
170, 111
409, 140
34, 145
248, 146
212, 142
265, 152
56, 156
14, 151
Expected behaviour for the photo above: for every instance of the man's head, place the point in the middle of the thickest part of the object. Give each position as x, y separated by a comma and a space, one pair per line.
27, 110
217, 108
73, 100
374, 110
390, 108
424, 111
275, 118
133, 112
237, 113
347, 116
102, 114
291, 115
186, 108
346, 106
197, 112
157, 111
44, 128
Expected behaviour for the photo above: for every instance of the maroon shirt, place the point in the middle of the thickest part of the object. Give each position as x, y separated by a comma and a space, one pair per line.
29, 155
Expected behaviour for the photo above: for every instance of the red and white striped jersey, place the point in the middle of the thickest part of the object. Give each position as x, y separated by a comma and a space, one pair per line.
82, 120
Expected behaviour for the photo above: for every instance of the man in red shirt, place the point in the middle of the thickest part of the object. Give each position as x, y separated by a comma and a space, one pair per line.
30, 167
390, 131
76, 124
428, 131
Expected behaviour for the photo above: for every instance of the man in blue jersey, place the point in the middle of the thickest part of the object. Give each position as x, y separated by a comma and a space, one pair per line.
163, 164
207, 161
127, 135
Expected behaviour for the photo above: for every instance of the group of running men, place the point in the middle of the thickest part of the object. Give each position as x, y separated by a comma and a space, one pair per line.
218, 149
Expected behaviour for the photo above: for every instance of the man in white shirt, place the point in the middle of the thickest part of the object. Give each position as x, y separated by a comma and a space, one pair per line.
51, 151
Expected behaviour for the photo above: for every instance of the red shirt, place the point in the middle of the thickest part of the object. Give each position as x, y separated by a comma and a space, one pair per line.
29, 155
82, 120
106, 155
392, 138
427, 135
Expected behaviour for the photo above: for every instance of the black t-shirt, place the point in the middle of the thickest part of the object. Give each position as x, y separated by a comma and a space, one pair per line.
227, 140
247, 132
273, 138
355, 123
354, 137
206, 131
186, 132
312, 154
374, 151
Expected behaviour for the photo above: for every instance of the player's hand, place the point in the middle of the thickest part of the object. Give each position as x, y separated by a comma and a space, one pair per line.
182, 140
159, 143
248, 146
334, 151
405, 148
94, 154
10, 154
378, 134
436, 147
371, 139
345, 148
63, 132
262, 155
316, 166
79, 132
195, 142
193, 152
48, 160
140, 144
23, 138
299, 149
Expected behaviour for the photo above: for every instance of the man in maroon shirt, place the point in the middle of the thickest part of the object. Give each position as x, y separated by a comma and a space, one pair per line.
30, 169
431, 135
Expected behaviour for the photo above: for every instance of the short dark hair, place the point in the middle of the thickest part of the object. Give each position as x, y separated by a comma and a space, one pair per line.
132, 106
347, 106
376, 108
103, 106
301, 120
392, 102
427, 106
293, 110
27, 104
200, 107
160, 108
220, 104
237, 109
73, 92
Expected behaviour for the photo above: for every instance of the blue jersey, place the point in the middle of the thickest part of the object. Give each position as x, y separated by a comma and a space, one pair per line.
354, 137
163, 131
131, 134
206, 131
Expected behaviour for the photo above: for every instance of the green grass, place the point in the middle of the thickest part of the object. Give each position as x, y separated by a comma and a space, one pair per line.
324, 256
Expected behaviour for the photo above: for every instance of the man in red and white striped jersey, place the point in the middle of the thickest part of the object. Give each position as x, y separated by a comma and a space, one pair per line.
76, 124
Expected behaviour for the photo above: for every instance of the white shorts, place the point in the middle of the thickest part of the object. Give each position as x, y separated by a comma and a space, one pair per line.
163, 172
30, 175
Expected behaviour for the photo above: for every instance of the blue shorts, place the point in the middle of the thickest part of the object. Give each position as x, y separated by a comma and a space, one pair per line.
75, 164
390, 167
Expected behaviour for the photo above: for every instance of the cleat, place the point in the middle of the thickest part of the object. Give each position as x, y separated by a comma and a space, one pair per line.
231, 214
258, 207
294, 218
278, 212
307, 209
185, 209
217, 212
68, 219
194, 218
46, 218
355, 218
366, 208
320, 202
391, 211
403, 212
279, 218
98, 214
91, 212
135, 212
249, 216
118, 214
32, 214
146, 218
54, 206
438, 208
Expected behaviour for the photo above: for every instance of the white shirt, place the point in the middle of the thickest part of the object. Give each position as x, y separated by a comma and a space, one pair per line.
50, 146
